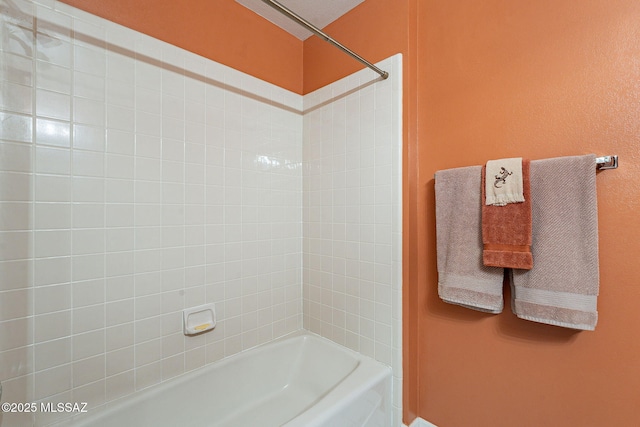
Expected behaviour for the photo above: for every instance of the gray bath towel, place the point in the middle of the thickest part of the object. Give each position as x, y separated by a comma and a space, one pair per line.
562, 288
462, 277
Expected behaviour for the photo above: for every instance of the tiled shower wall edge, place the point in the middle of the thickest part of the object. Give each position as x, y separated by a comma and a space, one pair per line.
136, 179
352, 250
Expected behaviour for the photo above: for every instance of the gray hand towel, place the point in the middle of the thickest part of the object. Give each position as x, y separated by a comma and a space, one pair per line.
562, 288
462, 277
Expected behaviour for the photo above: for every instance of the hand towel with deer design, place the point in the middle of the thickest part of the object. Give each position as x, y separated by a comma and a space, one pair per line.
506, 218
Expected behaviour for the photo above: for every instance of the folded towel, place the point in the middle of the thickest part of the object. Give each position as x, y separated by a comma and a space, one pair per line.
562, 289
506, 230
462, 278
506, 182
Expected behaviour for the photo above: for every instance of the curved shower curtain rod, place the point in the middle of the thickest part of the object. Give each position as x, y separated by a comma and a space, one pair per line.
300, 20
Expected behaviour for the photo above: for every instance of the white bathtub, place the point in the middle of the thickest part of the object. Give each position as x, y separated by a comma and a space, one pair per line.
299, 381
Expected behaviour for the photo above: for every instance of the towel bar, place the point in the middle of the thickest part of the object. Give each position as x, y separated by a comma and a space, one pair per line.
607, 162
602, 163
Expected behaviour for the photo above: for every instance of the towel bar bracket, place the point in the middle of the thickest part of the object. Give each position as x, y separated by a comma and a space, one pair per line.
607, 162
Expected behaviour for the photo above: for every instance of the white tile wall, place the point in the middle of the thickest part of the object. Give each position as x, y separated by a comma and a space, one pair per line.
137, 179
352, 215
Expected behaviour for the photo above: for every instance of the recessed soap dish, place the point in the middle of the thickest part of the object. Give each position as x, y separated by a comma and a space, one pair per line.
197, 320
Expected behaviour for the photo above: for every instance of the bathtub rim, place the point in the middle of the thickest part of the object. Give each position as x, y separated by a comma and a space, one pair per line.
367, 375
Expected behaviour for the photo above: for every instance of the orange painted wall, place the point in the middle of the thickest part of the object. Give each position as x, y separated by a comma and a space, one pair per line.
375, 30
222, 30
544, 78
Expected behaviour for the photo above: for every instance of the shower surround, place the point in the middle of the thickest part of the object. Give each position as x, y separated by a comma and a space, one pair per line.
138, 179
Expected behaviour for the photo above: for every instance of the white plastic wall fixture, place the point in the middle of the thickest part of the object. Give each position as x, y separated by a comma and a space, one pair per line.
197, 320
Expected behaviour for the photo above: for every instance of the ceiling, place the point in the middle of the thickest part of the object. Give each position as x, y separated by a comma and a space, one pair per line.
319, 12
